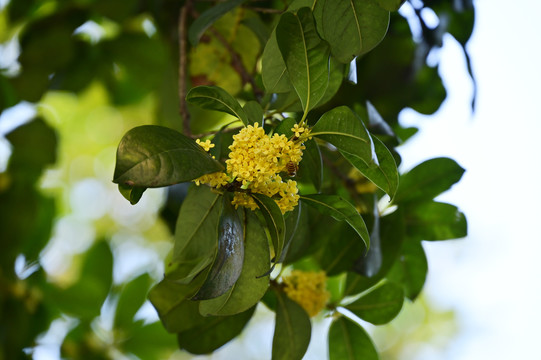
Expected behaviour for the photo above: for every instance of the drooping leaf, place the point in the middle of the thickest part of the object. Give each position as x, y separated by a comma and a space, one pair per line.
227, 265
353, 27
410, 269
251, 286
213, 332
390, 5
435, 221
209, 17
385, 174
131, 298
311, 166
196, 234
154, 156
131, 193
380, 305
339, 209
216, 98
292, 330
305, 55
349, 341
345, 130
274, 71
274, 220
428, 179
254, 112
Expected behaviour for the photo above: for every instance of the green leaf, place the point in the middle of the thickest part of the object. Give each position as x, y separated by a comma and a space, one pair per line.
380, 305
292, 331
305, 55
390, 5
213, 332
216, 98
254, 112
311, 166
385, 174
228, 261
196, 233
371, 264
131, 193
284, 127
349, 341
149, 342
353, 27
291, 224
435, 221
209, 17
131, 298
428, 179
154, 156
410, 269
274, 220
339, 209
250, 287
273, 68
345, 130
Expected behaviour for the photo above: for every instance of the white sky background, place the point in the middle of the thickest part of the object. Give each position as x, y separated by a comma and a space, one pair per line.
491, 278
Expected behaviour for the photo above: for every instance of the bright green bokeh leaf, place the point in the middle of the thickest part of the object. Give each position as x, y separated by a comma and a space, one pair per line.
428, 179
306, 56
345, 130
275, 222
435, 221
339, 209
254, 112
216, 98
390, 5
209, 17
411, 268
251, 286
132, 297
274, 71
227, 265
213, 332
150, 342
349, 341
154, 156
385, 174
380, 305
292, 330
353, 27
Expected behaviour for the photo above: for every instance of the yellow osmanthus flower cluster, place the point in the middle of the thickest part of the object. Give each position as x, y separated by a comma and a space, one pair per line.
255, 163
308, 289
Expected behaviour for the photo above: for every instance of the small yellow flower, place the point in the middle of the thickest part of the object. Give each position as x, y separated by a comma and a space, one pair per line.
207, 145
308, 289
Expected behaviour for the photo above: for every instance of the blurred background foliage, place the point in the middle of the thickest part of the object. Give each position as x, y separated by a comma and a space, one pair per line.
76, 259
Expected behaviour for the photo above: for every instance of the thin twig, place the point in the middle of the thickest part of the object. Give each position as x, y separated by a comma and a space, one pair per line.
183, 67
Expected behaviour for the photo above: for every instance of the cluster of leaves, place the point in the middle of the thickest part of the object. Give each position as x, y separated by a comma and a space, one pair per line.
316, 57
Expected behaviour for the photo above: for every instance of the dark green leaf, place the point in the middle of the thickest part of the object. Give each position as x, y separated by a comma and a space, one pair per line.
292, 331
250, 287
291, 224
435, 221
131, 298
154, 156
385, 174
228, 261
214, 332
131, 193
339, 209
196, 233
380, 305
254, 112
284, 127
428, 179
353, 27
370, 264
311, 166
390, 5
305, 55
410, 269
149, 342
275, 222
274, 71
345, 130
216, 98
258, 27
209, 17
349, 341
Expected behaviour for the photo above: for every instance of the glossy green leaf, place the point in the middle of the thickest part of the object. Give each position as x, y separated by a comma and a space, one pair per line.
284, 127
131, 193
292, 330
306, 56
274, 220
435, 221
213, 332
345, 130
254, 112
311, 166
385, 174
353, 27
390, 5
154, 156
410, 269
227, 265
339, 209
273, 68
131, 298
380, 305
216, 98
196, 233
336, 77
291, 224
209, 17
349, 341
251, 286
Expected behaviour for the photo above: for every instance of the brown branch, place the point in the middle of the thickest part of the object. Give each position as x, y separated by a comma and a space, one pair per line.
183, 67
